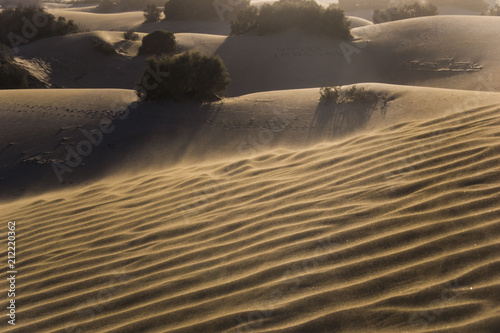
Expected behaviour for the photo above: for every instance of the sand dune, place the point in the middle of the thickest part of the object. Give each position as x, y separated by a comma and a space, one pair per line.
135, 21
266, 211
74, 61
395, 230
249, 124
293, 60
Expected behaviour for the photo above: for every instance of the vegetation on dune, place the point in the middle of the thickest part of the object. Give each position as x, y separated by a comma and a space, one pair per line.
335, 95
407, 11
190, 76
130, 35
306, 15
158, 42
104, 47
11, 75
203, 9
21, 25
151, 13
495, 11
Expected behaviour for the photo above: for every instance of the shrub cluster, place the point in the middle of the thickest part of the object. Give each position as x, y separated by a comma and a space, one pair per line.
151, 13
335, 95
306, 15
13, 22
104, 47
130, 35
11, 75
202, 9
191, 76
495, 11
158, 42
407, 11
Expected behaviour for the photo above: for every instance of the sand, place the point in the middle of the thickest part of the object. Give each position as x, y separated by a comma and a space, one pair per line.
266, 211
392, 230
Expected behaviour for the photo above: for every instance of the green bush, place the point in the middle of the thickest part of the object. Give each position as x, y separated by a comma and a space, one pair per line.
307, 15
407, 11
203, 9
335, 95
104, 47
13, 22
152, 13
130, 35
11, 75
158, 42
191, 76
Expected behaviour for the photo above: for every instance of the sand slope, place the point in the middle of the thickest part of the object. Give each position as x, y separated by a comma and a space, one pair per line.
39, 126
395, 230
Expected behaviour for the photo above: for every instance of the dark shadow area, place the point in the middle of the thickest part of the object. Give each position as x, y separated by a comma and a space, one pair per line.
333, 120
147, 135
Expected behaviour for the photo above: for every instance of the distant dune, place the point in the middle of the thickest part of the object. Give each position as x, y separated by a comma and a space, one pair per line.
291, 60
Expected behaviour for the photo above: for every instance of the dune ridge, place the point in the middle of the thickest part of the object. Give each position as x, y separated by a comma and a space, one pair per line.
395, 229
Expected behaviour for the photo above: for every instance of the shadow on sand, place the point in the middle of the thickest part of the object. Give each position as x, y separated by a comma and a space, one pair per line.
334, 120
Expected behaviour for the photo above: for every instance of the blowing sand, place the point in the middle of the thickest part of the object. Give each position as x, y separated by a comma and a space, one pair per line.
265, 211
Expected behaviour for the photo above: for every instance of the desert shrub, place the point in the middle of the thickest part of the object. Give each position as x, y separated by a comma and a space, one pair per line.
158, 42
104, 47
246, 21
329, 95
307, 15
335, 95
40, 23
152, 13
130, 35
495, 11
11, 75
191, 76
203, 9
407, 11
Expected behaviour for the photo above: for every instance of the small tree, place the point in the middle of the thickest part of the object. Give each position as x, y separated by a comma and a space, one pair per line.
152, 13
158, 42
191, 76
